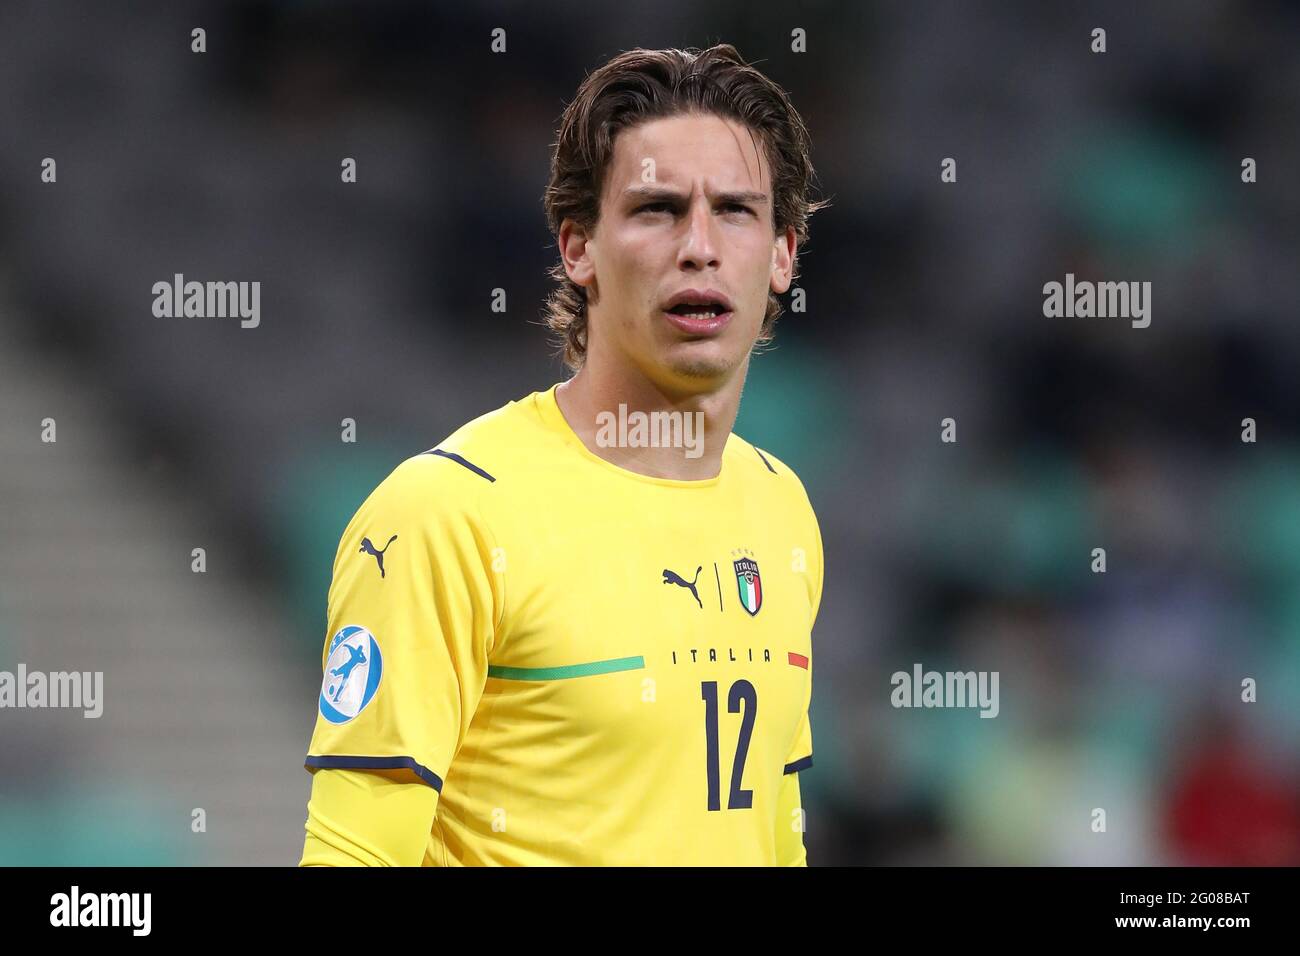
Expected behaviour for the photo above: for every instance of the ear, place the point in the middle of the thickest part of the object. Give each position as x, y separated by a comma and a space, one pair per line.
573, 242
783, 258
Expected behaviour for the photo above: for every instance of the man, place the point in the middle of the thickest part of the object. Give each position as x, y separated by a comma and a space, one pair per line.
589, 645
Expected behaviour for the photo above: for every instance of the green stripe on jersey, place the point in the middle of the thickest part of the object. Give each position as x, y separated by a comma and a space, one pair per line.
568, 670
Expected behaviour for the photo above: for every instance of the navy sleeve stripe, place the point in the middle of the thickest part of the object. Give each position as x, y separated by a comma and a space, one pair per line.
461, 461
375, 763
765, 461
803, 763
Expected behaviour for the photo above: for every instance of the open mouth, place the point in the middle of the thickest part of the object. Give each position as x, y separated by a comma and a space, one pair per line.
693, 311
699, 321
698, 312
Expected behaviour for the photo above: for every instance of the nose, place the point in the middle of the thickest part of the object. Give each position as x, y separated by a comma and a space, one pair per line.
699, 249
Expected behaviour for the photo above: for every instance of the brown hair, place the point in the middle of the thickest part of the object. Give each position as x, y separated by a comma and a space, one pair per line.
640, 85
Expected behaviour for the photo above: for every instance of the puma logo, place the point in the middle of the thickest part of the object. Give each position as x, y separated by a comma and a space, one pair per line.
368, 548
672, 577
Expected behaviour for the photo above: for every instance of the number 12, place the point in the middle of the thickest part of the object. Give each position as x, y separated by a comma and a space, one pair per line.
741, 690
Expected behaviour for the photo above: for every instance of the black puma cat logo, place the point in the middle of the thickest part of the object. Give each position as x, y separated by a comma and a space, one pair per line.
672, 577
368, 548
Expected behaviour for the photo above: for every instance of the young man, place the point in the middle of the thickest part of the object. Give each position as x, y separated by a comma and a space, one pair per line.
583, 644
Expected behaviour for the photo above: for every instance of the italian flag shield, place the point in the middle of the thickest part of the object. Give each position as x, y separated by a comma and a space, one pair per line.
750, 584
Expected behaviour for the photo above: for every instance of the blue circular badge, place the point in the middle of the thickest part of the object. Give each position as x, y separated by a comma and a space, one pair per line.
352, 674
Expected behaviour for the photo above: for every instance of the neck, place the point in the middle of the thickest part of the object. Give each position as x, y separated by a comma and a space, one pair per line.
591, 400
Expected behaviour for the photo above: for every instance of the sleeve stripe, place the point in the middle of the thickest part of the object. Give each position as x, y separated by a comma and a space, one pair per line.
803, 763
461, 461
375, 763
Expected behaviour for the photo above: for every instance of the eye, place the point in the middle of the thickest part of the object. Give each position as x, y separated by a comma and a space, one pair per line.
738, 207
654, 207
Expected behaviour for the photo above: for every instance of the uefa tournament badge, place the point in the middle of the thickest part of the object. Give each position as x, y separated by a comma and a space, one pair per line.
750, 584
352, 674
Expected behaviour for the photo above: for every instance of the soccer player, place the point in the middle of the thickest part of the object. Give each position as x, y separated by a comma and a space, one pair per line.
588, 639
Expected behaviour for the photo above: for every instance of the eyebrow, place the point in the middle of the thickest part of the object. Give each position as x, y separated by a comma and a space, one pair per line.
664, 194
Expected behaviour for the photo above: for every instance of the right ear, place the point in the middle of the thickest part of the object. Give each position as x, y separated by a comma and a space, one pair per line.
573, 243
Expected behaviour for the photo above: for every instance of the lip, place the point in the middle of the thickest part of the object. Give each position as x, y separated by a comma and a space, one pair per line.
699, 327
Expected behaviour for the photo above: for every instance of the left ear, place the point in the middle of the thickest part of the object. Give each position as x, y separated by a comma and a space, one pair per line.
783, 256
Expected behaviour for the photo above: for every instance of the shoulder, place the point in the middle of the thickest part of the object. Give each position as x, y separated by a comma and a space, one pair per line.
498, 448
782, 497
760, 468
456, 474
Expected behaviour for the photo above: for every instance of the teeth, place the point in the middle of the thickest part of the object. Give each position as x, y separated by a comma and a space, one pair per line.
705, 312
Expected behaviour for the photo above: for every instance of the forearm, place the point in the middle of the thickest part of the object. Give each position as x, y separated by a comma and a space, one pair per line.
358, 818
790, 824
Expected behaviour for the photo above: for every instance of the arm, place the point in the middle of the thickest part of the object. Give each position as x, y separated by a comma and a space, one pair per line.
790, 824
357, 818
404, 665
790, 817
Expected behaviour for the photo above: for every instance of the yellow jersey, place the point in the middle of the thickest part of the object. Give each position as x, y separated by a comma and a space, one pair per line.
589, 666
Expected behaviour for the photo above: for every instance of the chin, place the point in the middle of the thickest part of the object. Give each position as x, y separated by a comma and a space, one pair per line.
701, 363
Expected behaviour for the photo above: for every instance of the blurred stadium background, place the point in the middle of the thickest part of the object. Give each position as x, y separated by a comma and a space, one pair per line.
1118, 691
